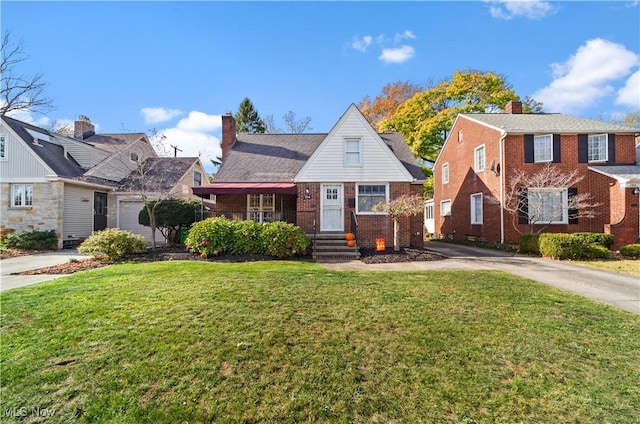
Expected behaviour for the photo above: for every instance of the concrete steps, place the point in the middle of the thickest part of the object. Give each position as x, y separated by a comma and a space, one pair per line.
332, 247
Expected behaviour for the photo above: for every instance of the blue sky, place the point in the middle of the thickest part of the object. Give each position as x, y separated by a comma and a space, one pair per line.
176, 67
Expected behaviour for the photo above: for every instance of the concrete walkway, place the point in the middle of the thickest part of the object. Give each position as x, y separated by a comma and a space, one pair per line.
612, 288
26, 263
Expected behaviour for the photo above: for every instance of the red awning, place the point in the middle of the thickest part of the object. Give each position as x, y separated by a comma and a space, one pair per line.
246, 188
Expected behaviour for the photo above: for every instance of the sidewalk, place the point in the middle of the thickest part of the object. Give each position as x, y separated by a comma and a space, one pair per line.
26, 263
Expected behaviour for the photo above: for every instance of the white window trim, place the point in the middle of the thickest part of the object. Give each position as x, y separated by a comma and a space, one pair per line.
442, 202
386, 194
23, 196
606, 147
261, 208
344, 159
474, 217
3, 140
535, 159
445, 175
565, 204
476, 165
194, 178
460, 136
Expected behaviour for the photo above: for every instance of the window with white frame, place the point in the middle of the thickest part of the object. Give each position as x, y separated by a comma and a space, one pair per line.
353, 152
460, 136
261, 207
21, 195
597, 149
478, 162
476, 208
3, 147
370, 195
197, 179
548, 205
543, 148
445, 173
445, 208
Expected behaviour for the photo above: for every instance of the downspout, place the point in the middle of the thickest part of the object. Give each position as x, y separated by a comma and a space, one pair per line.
502, 169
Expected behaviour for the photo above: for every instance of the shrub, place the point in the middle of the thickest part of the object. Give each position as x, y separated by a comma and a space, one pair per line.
570, 246
284, 240
530, 243
631, 250
600, 239
247, 238
211, 237
171, 215
591, 251
113, 244
31, 240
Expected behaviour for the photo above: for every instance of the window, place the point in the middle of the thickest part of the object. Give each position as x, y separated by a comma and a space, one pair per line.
445, 208
445, 173
543, 148
547, 205
476, 208
133, 157
478, 163
21, 195
353, 152
197, 179
260, 207
597, 148
3, 147
369, 196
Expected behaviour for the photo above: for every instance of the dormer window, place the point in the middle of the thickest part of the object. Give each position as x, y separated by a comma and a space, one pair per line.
133, 157
353, 152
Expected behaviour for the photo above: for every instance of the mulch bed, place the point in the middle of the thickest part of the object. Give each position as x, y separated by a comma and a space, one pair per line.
178, 253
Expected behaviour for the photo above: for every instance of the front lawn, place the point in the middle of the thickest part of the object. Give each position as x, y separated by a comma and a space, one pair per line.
175, 341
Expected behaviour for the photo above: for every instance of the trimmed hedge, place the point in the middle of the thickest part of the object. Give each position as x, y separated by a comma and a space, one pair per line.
601, 239
112, 244
530, 243
573, 246
31, 240
219, 235
631, 250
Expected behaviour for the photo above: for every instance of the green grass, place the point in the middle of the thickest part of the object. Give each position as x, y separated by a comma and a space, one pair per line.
622, 266
173, 342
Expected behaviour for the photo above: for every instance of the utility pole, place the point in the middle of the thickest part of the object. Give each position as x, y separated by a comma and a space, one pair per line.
175, 150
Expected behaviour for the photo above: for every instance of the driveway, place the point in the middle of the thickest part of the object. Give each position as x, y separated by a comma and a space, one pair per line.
612, 288
26, 263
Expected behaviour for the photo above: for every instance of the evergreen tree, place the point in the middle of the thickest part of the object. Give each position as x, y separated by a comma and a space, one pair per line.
248, 120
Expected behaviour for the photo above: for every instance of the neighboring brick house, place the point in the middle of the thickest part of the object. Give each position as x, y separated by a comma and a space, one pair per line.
321, 182
483, 151
72, 184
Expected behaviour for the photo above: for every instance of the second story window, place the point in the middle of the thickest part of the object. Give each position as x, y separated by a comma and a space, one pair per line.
445, 173
197, 179
3, 147
478, 163
597, 150
543, 148
445, 207
353, 152
133, 157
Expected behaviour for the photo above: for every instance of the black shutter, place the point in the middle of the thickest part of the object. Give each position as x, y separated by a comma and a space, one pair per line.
572, 192
583, 148
556, 149
611, 145
528, 148
523, 206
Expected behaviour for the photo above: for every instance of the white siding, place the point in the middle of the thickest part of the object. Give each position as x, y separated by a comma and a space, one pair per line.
20, 164
327, 162
85, 154
128, 220
78, 212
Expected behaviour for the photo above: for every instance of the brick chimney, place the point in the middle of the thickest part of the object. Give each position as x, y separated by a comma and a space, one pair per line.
228, 133
514, 107
83, 128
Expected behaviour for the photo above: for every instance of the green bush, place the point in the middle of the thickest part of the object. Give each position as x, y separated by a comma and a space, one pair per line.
31, 240
571, 246
631, 250
529, 243
171, 215
284, 240
211, 237
113, 244
247, 238
600, 239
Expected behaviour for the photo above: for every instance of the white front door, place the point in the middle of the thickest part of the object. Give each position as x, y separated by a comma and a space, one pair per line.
332, 205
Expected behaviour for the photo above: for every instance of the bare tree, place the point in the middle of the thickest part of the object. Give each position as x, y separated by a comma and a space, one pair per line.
292, 125
544, 197
19, 92
403, 206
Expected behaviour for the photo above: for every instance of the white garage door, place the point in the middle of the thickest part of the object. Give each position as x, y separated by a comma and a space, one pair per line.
128, 220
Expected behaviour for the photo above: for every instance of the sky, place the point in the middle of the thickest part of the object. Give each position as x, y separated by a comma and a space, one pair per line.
174, 68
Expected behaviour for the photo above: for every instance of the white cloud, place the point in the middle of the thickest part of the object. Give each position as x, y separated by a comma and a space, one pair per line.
403, 35
587, 76
397, 55
361, 44
156, 115
532, 9
197, 135
29, 118
629, 95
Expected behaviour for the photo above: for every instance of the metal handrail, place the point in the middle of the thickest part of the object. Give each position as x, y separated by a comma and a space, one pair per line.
354, 226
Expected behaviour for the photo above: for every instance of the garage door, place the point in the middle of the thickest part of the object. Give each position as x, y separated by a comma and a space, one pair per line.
128, 220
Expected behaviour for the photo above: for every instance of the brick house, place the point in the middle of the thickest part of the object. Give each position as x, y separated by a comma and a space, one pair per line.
483, 151
80, 184
324, 183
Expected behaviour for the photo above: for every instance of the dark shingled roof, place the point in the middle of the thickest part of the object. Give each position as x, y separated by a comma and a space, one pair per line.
51, 153
279, 157
160, 175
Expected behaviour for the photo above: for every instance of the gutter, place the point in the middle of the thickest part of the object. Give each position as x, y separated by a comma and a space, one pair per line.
501, 146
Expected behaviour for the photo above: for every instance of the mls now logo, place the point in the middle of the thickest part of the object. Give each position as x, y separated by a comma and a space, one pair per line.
15, 412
